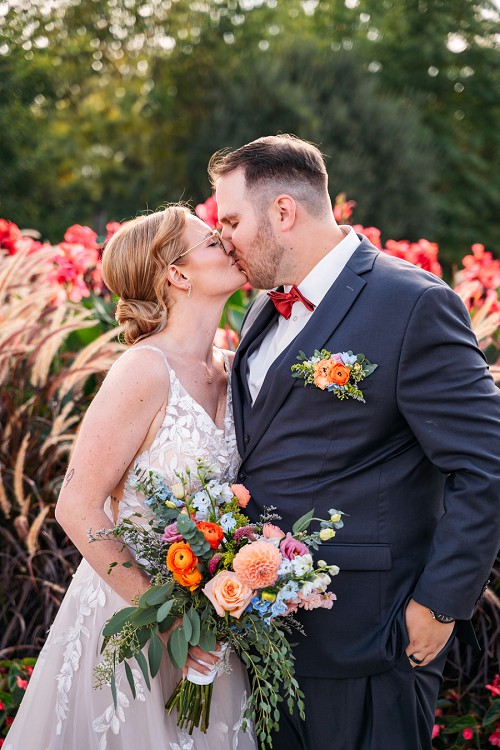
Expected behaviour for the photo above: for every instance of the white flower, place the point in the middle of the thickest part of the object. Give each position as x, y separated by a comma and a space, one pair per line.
301, 564
201, 502
227, 522
221, 492
322, 581
285, 567
178, 490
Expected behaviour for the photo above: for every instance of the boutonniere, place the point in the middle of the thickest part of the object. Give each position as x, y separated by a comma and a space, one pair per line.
338, 373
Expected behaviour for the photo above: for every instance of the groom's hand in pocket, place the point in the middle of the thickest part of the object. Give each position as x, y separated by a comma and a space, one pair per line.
427, 636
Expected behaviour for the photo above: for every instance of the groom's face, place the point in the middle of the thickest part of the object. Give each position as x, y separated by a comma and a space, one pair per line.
249, 231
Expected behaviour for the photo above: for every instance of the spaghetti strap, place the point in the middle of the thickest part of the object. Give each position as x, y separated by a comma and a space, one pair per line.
153, 348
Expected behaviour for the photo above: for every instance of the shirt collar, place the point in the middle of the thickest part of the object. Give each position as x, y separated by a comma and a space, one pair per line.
319, 280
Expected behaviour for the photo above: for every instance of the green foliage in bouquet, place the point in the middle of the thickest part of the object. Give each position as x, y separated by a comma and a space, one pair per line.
217, 580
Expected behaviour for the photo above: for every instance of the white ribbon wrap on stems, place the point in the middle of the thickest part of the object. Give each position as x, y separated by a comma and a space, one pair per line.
215, 669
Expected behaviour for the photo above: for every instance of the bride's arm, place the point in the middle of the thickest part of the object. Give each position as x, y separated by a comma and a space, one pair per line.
116, 426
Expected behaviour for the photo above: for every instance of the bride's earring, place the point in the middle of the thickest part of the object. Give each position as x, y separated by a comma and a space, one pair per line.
190, 288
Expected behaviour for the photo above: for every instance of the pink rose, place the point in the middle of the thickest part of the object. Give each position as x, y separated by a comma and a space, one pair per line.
241, 494
269, 531
291, 547
228, 594
171, 534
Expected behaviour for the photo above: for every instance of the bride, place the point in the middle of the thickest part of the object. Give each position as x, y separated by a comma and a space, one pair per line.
164, 403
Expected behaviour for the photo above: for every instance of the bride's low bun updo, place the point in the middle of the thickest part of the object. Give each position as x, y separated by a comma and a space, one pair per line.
134, 266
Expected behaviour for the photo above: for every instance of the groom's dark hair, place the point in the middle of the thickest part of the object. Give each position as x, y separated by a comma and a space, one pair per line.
274, 164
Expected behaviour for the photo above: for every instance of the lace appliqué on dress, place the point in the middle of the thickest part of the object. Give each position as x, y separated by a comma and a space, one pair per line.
112, 718
89, 596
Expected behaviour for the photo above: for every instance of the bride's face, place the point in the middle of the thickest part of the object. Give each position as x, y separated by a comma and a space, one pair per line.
206, 262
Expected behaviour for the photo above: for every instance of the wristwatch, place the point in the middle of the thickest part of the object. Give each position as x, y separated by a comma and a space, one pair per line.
445, 619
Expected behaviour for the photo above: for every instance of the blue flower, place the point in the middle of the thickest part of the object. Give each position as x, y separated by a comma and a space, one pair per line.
227, 522
278, 608
260, 606
348, 359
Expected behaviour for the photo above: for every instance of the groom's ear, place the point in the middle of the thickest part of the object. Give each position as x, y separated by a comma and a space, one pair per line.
285, 210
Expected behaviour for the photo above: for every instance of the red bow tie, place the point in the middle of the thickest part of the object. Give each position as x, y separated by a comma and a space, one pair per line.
284, 301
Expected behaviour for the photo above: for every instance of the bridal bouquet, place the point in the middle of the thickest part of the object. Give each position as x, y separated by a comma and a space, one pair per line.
219, 579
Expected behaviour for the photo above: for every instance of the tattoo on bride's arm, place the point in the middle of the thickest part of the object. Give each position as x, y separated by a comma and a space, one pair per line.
69, 477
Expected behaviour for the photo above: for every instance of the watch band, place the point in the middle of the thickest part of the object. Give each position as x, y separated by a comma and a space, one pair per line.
445, 619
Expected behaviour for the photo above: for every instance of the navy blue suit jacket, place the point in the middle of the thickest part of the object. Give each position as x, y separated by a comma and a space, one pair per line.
416, 467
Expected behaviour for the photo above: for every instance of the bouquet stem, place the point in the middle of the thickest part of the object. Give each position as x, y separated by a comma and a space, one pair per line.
192, 703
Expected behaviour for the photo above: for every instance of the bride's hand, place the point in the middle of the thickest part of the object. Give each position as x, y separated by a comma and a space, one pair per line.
195, 653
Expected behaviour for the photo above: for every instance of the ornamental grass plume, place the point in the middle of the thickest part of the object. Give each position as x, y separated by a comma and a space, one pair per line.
47, 378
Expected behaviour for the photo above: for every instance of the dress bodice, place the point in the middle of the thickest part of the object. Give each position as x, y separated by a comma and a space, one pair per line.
186, 435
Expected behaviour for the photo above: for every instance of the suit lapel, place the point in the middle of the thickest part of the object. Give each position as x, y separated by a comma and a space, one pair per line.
258, 328
322, 324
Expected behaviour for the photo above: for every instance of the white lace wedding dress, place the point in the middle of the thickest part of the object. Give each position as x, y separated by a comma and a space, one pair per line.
61, 710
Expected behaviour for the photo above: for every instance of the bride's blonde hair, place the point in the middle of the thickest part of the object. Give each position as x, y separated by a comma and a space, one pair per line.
134, 266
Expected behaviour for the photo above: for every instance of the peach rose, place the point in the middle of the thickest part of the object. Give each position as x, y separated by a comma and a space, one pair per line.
241, 494
270, 531
228, 594
321, 370
257, 564
338, 373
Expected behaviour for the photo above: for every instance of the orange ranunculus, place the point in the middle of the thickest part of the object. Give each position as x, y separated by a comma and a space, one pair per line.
338, 373
321, 370
212, 533
181, 558
182, 561
191, 580
228, 594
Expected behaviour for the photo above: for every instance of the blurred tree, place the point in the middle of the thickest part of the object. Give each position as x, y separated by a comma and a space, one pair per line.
140, 93
446, 57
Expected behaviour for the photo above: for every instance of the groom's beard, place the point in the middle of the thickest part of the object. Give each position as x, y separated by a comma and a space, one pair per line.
264, 257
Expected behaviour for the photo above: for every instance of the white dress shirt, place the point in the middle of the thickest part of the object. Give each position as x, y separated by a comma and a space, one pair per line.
313, 287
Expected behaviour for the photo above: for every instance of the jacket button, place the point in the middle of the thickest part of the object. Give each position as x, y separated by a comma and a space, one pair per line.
242, 476
247, 438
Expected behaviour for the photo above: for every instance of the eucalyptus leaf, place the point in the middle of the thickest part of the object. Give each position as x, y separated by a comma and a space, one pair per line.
113, 690
178, 648
195, 625
116, 623
208, 640
303, 522
130, 678
155, 595
143, 666
164, 610
144, 617
155, 653
187, 627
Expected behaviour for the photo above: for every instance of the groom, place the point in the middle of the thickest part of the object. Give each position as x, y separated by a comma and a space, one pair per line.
416, 466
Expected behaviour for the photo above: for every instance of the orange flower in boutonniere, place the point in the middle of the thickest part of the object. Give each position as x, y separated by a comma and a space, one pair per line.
338, 373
